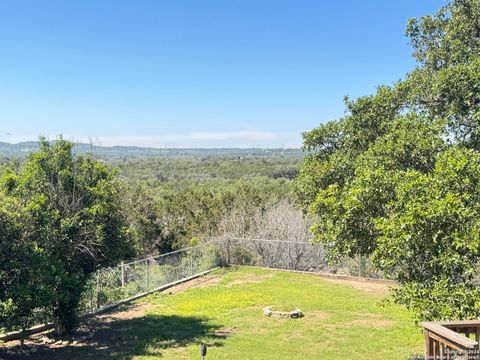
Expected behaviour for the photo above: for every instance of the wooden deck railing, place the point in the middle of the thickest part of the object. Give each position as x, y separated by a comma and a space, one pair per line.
452, 339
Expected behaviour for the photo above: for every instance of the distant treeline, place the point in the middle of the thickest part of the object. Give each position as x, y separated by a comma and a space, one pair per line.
125, 152
153, 170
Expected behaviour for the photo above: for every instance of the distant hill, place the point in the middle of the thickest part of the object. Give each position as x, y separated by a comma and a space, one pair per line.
19, 150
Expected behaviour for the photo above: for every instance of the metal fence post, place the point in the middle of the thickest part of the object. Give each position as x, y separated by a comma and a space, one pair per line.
123, 274
289, 250
228, 251
319, 258
97, 288
360, 265
191, 264
146, 275
92, 292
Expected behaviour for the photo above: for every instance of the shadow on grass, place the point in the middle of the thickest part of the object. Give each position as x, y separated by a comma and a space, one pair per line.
149, 335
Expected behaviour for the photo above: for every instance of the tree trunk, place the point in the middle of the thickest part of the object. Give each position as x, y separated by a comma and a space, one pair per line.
59, 326
22, 337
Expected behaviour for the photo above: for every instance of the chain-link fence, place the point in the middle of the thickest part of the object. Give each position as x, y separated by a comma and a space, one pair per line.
127, 280
292, 255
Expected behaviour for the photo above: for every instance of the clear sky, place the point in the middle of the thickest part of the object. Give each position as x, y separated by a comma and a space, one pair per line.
198, 73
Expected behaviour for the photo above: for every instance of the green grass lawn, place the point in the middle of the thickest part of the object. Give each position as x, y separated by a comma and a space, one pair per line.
341, 321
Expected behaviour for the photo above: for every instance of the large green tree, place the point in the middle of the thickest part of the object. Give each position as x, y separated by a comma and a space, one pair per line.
21, 289
357, 167
65, 224
431, 238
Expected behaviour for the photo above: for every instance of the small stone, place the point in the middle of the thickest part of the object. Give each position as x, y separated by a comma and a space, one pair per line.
83, 338
10, 352
33, 349
26, 352
75, 342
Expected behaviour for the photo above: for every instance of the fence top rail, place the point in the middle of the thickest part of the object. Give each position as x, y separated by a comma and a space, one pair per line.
450, 335
171, 253
273, 240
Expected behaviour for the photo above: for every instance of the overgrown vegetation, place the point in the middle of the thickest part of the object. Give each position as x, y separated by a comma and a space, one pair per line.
397, 178
174, 199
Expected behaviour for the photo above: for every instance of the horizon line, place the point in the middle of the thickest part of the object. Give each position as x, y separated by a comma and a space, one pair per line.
76, 143
244, 139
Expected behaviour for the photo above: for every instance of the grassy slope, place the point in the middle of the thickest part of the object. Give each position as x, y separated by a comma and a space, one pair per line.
341, 322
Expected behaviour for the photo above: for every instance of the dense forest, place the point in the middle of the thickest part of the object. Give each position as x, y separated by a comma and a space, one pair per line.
174, 197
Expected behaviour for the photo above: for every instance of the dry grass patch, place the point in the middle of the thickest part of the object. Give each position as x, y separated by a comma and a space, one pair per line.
316, 315
372, 321
371, 287
246, 278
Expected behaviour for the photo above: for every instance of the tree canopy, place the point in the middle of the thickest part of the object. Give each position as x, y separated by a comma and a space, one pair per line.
63, 222
396, 178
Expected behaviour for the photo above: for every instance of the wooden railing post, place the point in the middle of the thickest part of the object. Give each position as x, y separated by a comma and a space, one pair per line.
428, 344
450, 340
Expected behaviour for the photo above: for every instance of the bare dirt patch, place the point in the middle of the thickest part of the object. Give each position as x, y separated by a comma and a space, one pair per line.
201, 282
132, 311
224, 332
371, 287
316, 315
84, 335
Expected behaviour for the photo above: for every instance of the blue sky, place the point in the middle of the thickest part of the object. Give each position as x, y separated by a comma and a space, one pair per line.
203, 73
